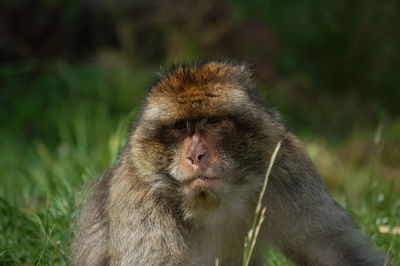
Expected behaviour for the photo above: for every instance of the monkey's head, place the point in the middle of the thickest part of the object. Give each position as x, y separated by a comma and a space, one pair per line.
204, 135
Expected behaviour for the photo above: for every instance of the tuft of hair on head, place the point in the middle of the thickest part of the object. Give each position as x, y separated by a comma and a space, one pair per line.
203, 72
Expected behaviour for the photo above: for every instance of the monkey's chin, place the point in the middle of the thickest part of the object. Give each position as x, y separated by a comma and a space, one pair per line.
201, 195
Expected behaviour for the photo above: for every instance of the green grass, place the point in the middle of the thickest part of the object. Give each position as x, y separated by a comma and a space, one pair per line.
54, 143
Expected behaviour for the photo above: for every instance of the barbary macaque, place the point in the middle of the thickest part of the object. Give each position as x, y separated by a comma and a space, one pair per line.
184, 188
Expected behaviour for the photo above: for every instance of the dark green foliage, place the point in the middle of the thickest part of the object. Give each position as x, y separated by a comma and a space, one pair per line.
346, 48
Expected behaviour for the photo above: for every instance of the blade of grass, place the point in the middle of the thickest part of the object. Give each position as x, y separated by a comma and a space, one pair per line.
387, 255
259, 215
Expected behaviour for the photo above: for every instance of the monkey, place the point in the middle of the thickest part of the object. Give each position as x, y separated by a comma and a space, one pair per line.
184, 187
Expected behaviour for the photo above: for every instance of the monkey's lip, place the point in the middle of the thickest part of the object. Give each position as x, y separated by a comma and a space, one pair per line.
202, 182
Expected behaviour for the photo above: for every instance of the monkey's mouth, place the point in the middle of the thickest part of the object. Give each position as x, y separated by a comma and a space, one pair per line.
202, 182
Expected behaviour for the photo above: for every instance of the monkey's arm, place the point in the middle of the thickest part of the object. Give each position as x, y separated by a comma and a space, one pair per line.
90, 245
143, 231
305, 222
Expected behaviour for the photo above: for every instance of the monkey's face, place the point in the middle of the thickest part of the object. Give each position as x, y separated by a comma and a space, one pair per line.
201, 164
207, 161
202, 136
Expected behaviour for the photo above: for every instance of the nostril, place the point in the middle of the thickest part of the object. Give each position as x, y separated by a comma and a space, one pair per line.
195, 160
190, 160
200, 156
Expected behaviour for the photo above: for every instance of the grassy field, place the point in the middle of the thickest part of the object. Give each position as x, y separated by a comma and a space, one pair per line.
63, 126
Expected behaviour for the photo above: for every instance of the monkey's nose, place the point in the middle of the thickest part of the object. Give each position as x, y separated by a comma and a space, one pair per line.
196, 158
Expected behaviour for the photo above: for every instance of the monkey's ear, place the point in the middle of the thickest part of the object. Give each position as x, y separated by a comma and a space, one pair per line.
240, 72
243, 74
235, 71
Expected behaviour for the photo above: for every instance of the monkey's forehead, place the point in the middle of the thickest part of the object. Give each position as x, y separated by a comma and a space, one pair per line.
194, 101
198, 90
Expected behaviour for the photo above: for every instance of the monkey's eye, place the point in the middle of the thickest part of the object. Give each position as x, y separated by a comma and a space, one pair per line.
180, 125
213, 120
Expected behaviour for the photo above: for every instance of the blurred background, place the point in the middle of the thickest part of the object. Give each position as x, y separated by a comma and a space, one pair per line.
73, 74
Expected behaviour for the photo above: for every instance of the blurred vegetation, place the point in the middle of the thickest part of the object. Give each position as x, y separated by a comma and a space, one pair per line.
73, 75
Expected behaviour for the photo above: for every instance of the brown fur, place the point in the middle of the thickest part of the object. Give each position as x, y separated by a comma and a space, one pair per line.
139, 214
